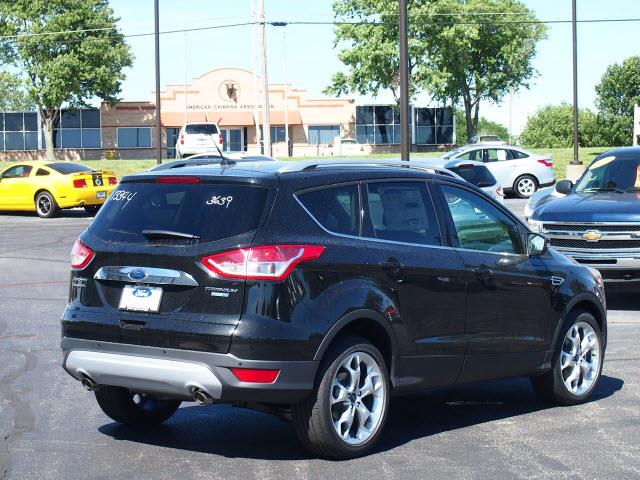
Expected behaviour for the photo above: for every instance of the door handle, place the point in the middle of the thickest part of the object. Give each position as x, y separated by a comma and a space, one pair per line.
393, 268
483, 273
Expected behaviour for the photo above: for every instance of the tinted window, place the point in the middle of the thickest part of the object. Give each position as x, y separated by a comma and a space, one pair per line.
609, 172
134, 137
14, 140
402, 212
18, 171
71, 139
91, 119
31, 140
498, 155
68, 167
518, 154
31, 122
209, 211
70, 119
42, 172
336, 209
480, 225
478, 175
13, 122
91, 138
201, 129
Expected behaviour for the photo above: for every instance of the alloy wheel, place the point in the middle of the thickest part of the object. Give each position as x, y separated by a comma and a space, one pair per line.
580, 358
44, 205
526, 187
357, 398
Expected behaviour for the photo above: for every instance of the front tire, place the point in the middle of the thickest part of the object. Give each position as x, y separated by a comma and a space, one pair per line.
525, 186
133, 409
345, 415
576, 365
46, 205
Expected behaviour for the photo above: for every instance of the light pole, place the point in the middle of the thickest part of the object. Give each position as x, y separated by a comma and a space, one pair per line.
156, 13
576, 136
286, 83
404, 81
266, 130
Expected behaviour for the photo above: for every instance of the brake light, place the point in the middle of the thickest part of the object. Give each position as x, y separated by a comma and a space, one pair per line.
546, 162
182, 139
269, 262
254, 375
81, 255
178, 180
500, 192
113, 181
79, 183
220, 138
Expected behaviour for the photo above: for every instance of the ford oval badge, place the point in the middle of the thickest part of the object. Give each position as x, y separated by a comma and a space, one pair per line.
137, 274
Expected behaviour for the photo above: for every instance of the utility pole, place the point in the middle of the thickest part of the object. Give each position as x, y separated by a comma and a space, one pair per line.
576, 137
156, 13
286, 83
254, 54
404, 81
186, 77
266, 130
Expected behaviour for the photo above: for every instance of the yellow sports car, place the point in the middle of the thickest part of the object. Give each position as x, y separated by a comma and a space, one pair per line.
46, 187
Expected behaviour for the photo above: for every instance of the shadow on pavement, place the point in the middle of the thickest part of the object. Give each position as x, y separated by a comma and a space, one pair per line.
66, 213
235, 432
623, 297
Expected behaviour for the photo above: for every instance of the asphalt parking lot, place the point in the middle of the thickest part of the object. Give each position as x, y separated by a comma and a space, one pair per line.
50, 428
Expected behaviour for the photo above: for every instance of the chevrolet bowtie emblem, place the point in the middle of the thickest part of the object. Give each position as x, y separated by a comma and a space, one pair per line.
592, 235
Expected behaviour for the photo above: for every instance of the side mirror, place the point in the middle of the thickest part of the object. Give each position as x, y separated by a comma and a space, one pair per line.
564, 187
536, 244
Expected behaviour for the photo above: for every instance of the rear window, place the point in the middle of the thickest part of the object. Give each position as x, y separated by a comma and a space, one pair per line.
66, 168
201, 129
478, 175
210, 211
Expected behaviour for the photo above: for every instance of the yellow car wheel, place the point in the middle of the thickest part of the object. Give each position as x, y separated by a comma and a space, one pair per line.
46, 205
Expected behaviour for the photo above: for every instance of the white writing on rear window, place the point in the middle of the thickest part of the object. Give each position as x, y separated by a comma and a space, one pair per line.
220, 200
123, 196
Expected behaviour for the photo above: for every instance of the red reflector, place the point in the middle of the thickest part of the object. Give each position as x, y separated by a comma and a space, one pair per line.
81, 255
546, 163
220, 137
253, 375
182, 139
113, 181
80, 183
268, 262
500, 191
178, 180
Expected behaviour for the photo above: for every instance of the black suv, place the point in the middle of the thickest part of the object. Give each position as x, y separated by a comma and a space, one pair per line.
316, 291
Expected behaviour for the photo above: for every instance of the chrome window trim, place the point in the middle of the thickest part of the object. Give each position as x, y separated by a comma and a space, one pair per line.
586, 223
157, 276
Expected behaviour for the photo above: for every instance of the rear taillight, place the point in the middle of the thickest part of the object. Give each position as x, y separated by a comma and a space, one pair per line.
255, 375
220, 139
500, 192
81, 255
178, 180
546, 162
182, 139
80, 183
113, 181
269, 262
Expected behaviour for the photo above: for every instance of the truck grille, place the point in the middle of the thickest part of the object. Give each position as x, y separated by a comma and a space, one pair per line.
576, 227
601, 245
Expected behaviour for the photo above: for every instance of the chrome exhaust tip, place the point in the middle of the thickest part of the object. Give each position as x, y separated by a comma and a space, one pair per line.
89, 384
201, 397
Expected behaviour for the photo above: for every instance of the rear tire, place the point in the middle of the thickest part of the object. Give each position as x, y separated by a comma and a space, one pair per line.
525, 186
136, 410
46, 205
577, 362
91, 210
345, 415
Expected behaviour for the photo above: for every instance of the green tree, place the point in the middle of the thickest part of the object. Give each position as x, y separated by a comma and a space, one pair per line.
616, 96
552, 127
70, 51
458, 51
13, 96
485, 127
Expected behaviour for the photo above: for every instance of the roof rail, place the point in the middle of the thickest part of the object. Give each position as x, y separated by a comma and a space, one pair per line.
422, 165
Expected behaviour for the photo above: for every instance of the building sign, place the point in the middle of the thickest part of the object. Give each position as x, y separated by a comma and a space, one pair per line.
229, 91
227, 106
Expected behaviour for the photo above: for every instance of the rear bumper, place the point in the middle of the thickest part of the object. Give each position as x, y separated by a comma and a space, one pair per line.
615, 267
176, 373
85, 196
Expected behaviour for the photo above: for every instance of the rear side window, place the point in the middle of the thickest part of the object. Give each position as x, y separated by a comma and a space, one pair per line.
477, 175
402, 212
472, 155
336, 209
42, 172
66, 168
201, 129
519, 155
206, 210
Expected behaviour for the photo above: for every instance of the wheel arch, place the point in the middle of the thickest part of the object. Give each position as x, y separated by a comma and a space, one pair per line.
588, 303
366, 324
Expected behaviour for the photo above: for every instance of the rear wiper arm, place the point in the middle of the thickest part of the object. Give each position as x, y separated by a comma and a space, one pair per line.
159, 234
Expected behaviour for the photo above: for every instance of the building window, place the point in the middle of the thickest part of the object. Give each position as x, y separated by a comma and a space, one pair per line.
323, 134
378, 125
19, 131
277, 134
77, 129
134, 137
172, 139
434, 126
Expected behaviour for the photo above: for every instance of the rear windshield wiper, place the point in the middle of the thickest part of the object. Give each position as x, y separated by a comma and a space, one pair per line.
160, 234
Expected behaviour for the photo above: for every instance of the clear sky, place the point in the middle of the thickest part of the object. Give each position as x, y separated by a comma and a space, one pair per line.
312, 58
